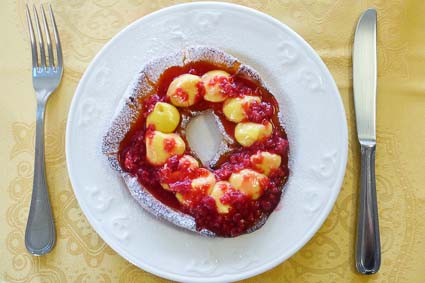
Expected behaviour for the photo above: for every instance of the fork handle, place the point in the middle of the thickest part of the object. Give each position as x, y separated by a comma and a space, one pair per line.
368, 250
40, 231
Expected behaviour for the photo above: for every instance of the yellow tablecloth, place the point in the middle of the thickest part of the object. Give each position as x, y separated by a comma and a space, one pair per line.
328, 25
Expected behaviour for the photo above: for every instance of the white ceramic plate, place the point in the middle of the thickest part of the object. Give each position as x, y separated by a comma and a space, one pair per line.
316, 127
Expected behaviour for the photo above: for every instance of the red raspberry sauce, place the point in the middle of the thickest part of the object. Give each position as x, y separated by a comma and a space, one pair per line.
244, 212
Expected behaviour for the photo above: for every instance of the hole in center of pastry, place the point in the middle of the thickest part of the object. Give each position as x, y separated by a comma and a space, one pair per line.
204, 136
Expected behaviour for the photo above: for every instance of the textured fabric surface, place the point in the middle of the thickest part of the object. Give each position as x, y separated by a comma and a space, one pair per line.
328, 25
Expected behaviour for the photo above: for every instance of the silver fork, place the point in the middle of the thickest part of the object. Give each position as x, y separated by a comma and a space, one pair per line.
40, 233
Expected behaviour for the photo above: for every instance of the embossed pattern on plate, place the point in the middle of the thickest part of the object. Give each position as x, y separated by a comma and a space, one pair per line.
312, 111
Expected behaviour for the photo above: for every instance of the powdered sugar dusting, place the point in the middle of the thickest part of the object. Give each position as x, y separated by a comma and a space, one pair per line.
250, 74
203, 53
128, 112
157, 208
155, 68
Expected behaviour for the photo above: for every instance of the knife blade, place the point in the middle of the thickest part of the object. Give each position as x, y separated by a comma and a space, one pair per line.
368, 248
364, 77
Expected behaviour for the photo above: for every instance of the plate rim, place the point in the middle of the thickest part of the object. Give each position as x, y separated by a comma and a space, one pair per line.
336, 188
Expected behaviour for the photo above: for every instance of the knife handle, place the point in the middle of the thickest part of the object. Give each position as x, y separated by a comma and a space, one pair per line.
368, 247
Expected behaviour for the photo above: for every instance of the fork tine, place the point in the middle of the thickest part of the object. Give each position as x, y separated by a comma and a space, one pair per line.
57, 40
47, 33
32, 38
40, 39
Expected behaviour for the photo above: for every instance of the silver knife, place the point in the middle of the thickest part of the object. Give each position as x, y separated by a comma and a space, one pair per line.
368, 247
